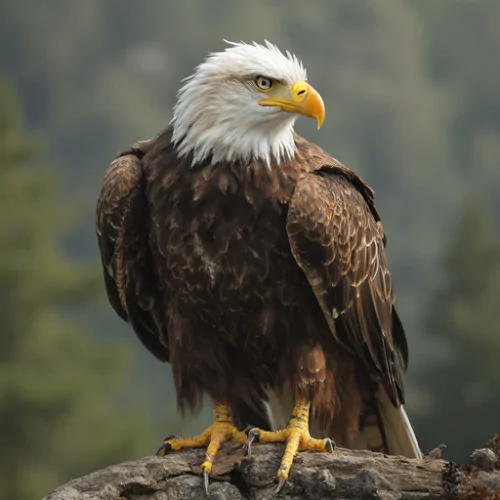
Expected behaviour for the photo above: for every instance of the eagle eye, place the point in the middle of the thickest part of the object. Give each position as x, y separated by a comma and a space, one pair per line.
263, 83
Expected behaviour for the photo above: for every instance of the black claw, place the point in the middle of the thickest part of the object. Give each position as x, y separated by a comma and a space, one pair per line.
165, 447
330, 445
247, 429
206, 481
281, 483
162, 450
253, 435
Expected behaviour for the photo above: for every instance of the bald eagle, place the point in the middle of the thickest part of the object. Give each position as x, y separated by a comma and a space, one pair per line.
255, 264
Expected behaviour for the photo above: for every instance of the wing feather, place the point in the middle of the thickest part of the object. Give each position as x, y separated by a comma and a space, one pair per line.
122, 233
337, 239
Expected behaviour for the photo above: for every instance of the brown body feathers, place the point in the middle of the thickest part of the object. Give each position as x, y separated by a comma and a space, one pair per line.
247, 278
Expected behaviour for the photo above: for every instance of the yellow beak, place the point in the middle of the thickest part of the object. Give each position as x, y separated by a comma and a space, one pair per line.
298, 98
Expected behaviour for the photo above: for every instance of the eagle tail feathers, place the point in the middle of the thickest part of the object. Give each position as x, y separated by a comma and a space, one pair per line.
401, 439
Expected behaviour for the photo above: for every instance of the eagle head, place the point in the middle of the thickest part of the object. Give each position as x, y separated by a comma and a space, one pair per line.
242, 103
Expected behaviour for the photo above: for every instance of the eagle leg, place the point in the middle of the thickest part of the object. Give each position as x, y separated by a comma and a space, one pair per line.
296, 436
221, 431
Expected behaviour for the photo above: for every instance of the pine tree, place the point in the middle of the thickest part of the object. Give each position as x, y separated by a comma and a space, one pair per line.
59, 413
464, 315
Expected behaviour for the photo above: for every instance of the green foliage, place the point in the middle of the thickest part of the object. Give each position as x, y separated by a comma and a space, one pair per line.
463, 40
463, 314
59, 415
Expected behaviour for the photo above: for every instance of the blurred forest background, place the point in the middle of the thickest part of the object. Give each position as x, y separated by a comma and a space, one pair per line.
412, 91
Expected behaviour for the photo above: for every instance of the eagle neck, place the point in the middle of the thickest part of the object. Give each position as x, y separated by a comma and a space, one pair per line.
238, 140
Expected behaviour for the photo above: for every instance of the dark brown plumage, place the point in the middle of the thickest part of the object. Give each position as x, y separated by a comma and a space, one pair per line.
247, 278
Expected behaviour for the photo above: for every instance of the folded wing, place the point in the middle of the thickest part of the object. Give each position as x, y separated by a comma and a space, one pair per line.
337, 239
122, 232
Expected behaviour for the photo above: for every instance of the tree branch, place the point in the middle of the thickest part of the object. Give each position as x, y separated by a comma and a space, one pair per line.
345, 474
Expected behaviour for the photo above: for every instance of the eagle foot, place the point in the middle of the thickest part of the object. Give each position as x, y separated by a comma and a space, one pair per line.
296, 436
222, 430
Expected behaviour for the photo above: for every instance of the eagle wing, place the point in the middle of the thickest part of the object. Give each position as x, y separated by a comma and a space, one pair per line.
337, 239
122, 233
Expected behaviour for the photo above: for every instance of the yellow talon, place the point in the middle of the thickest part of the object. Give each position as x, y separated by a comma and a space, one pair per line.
221, 431
176, 443
297, 437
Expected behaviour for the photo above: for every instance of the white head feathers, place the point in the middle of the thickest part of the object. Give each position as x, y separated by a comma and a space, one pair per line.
218, 115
